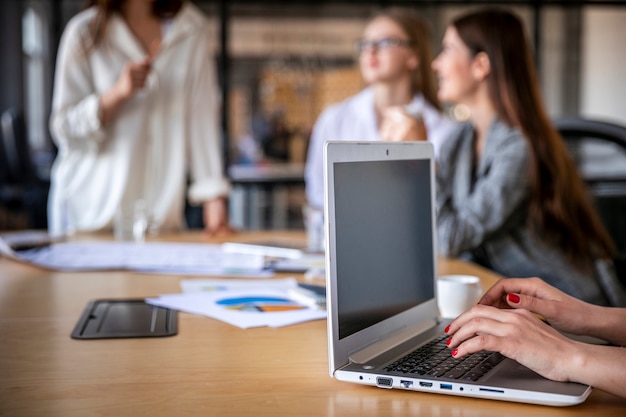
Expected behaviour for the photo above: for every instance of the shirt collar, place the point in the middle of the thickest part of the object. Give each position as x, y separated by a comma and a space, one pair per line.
185, 22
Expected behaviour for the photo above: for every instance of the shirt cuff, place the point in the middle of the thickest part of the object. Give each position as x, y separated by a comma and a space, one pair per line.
206, 190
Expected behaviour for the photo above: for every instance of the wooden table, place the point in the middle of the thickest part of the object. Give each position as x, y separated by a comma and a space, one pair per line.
209, 369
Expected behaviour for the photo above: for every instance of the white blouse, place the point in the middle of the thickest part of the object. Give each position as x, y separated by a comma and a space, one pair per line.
162, 134
355, 119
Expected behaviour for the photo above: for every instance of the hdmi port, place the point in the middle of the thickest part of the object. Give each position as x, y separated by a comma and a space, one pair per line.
426, 384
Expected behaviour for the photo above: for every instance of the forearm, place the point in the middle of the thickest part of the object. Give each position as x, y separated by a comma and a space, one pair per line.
110, 102
603, 323
602, 367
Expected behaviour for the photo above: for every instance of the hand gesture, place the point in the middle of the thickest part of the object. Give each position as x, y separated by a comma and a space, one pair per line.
133, 77
398, 126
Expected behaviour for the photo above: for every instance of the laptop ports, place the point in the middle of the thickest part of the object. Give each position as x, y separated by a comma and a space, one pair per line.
406, 384
384, 382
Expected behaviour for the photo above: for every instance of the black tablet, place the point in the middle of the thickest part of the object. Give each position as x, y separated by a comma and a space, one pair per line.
104, 319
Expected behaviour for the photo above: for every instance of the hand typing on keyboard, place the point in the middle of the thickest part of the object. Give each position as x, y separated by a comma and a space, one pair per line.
433, 359
506, 321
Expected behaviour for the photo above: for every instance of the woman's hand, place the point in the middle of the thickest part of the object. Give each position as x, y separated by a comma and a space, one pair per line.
517, 334
215, 215
132, 79
398, 126
521, 336
562, 311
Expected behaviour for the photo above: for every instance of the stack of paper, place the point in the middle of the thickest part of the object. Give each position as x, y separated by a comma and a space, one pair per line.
242, 303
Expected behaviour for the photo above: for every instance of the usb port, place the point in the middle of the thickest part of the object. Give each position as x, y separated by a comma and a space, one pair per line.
426, 384
445, 386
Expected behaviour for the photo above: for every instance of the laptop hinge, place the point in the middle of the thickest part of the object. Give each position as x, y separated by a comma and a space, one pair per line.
394, 339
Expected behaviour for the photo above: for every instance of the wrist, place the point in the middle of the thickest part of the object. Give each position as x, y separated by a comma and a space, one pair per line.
579, 363
118, 94
109, 103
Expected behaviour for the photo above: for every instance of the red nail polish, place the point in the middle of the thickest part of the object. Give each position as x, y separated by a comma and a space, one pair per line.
447, 329
513, 298
448, 342
455, 352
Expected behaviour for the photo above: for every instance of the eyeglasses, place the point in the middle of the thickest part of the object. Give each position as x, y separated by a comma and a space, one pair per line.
363, 45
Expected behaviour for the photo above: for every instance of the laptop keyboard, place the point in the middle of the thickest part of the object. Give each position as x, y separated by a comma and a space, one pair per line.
434, 359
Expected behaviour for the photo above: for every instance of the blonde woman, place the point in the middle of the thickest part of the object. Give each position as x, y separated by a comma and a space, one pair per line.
394, 58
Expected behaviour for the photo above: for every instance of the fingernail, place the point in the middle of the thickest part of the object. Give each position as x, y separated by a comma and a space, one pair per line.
447, 329
448, 342
455, 352
513, 298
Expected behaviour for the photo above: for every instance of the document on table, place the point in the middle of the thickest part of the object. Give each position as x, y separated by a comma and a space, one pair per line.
166, 258
241, 303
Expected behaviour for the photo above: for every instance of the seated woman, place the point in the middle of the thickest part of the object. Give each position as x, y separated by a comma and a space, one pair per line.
503, 322
394, 59
509, 196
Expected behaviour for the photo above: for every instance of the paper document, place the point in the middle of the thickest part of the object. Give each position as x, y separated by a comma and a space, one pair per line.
264, 250
168, 258
242, 303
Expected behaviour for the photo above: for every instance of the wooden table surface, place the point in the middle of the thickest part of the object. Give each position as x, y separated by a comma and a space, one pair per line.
208, 369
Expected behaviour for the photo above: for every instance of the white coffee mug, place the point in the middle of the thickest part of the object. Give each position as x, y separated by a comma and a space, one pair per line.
457, 294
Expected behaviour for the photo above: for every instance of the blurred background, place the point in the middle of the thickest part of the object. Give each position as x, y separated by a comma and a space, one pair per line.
280, 63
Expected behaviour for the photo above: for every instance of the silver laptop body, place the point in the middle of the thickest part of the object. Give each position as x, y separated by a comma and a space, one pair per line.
381, 270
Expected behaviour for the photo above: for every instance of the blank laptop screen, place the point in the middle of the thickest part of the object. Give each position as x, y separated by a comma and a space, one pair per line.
383, 229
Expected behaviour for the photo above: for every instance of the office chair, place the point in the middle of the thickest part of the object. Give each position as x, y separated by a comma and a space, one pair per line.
19, 167
607, 182
21, 190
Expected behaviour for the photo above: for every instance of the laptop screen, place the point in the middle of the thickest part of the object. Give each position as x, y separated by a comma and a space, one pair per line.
383, 229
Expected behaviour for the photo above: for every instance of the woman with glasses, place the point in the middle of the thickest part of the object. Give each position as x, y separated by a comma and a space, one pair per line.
134, 112
394, 58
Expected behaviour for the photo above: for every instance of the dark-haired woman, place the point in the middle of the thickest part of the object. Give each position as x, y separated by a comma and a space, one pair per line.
509, 196
134, 113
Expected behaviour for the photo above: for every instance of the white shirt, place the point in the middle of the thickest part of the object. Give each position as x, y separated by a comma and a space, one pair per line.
163, 133
355, 119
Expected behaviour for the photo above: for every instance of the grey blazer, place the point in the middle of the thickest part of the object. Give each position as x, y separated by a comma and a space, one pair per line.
482, 212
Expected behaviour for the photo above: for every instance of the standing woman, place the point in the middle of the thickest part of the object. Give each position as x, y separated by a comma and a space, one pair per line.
134, 113
394, 58
509, 196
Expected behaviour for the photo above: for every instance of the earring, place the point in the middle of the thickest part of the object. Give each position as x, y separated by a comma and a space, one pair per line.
460, 113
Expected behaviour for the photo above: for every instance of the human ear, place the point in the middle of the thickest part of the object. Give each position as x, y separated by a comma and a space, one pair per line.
481, 66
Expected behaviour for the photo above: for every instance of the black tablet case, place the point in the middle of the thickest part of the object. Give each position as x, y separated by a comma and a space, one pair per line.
103, 319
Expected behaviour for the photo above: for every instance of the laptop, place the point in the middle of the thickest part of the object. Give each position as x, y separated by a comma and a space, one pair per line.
381, 269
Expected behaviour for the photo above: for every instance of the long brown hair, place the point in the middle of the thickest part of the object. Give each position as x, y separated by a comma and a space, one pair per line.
162, 9
418, 33
560, 209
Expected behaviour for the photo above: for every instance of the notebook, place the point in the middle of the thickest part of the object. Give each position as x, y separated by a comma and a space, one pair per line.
381, 270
